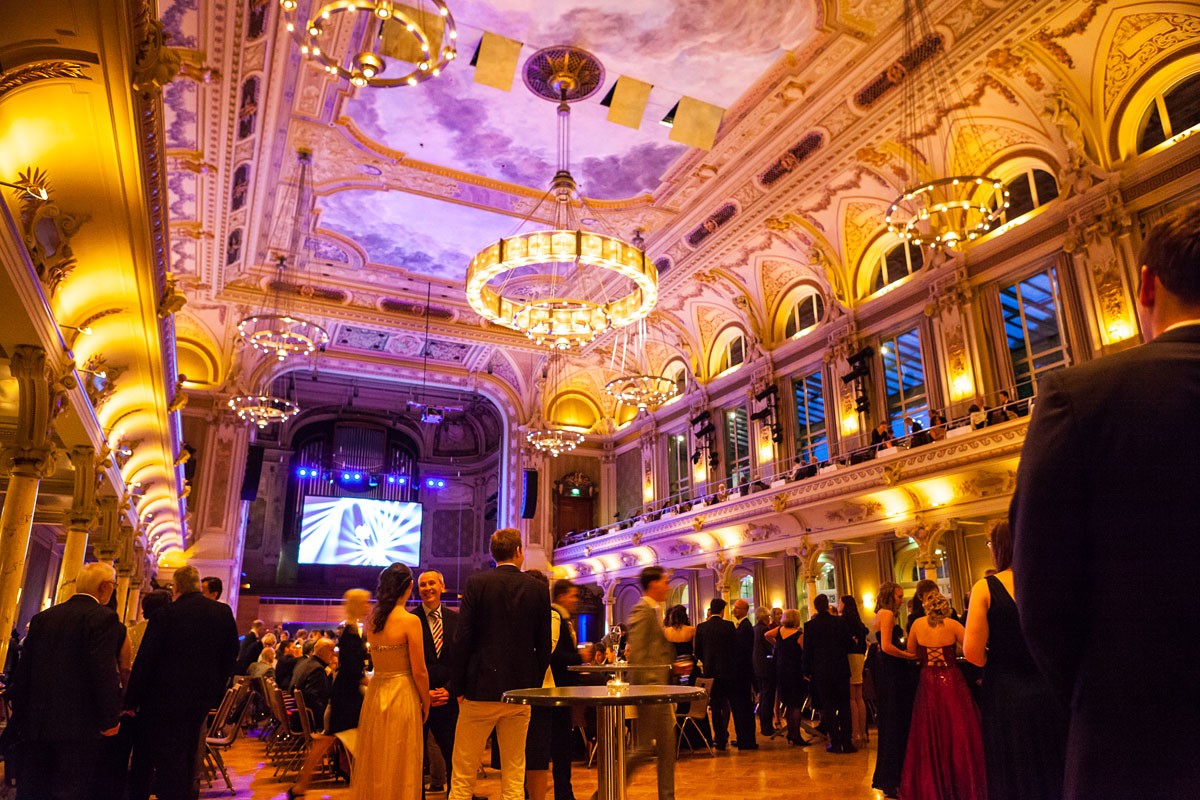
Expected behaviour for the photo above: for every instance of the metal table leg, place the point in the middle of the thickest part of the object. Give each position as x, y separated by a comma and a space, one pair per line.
610, 724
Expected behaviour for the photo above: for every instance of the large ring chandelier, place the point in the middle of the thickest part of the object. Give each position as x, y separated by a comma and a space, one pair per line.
423, 34
949, 211
643, 391
282, 335
262, 409
554, 441
565, 285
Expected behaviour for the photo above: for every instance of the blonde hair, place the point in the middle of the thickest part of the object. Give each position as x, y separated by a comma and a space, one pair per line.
886, 597
937, 608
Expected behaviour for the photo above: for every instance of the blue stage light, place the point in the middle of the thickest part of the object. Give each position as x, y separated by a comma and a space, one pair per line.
358, 476
345, 476
403, 480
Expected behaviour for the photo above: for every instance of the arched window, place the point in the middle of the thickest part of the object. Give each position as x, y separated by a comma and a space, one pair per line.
1171, 113
233, 247
733, 354
901, 261
241, 183
1031, 189
804, 315
256, 19
248, 108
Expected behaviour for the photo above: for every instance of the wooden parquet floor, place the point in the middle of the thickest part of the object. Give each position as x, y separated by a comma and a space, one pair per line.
776, 771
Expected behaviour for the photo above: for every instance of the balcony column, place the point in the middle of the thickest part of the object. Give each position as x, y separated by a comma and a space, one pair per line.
29, 459
609, 585
608, 485
950, 312
929, 540
108, 531
130, 601
723, 574
1100, 244
80, 520
851, 426
808, 558
124, 565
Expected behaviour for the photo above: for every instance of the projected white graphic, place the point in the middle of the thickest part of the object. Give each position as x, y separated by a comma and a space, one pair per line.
358, 532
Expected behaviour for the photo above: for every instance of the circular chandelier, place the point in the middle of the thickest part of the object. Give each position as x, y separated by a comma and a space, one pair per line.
262, 409
643, 391
948, 211
282, 335
565, 285
422, 34
554, 441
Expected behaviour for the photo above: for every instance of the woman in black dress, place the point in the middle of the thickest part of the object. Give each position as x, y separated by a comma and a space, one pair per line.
1024, 726
895, 688
346, 695
788, 639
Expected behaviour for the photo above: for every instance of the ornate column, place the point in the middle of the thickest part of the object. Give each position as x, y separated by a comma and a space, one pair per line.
949, 311
80, 519
124, 565
929, 539
609, 585
808, 558
30, 458
850, 426
723, 574
134, 574
608, 484
108, 531
1099, 242
649, 446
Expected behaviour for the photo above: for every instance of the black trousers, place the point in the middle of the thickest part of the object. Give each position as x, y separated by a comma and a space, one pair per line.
166, 751
718, 704
62, 770
441, 723
741, 704
834, 699
766, 703
561, 752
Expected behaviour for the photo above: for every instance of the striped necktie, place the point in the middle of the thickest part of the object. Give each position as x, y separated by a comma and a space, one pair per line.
435, 627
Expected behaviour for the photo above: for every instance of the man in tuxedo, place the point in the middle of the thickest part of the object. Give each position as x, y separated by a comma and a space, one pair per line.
439, 626
182, 667
1105, 501
647, 643
503, 643
311, 677
65, 693
251, 647
741, 699
715, 641
826, 662
764, 670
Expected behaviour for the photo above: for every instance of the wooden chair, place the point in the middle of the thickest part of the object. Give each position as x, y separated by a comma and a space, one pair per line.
697, 709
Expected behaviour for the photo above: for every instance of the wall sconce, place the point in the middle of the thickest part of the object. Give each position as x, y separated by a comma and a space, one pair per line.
33, 189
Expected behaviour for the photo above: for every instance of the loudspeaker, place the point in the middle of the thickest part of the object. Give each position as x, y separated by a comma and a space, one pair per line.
254, 459
529, 491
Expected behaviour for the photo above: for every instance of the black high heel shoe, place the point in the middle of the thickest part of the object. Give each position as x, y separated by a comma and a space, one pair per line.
292, 794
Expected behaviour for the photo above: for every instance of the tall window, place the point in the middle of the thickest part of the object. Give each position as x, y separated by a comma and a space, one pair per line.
679, 472
733, 353
737, 447
904, 380
901, 261
1029, 190
1173, 112
812, 438
805, 314
1033, 326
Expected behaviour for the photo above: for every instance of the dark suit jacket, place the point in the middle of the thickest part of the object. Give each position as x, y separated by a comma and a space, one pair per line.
1106, 501
715, 641
186, 657
310, 679
503, 639
251, 648
65, 684
743, 653
764, 665
827, 644
440, 667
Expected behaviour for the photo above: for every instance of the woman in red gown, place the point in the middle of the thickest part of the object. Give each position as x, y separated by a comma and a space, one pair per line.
945, 749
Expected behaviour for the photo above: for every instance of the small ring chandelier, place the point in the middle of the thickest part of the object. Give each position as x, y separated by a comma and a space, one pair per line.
565, 285
639, 386
545, 437
423, 34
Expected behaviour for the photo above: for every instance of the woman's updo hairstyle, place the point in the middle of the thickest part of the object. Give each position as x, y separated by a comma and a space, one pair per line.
937, 608
395, 584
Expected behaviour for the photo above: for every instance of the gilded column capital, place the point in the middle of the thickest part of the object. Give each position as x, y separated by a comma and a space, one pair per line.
41, 395
809, 557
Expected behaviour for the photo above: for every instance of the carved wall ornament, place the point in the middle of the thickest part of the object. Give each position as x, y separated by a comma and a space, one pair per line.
1141, 40
100, 380
851, 513
779, 503
49, 69
1046, 36
156, 65
893, 474
698, 523
47, 231
685, 548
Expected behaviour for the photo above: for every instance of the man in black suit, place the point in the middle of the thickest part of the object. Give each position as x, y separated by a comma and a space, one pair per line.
716, 639
180, 673
312, 679
503, 643
1105, 501
741, 699
439, 656
826, 662
65, 693
251, 647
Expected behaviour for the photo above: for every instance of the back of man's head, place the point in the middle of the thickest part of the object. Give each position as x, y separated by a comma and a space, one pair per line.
561, 587
153, 602
821, 603
762, 613
212, 586
187, 579
716, 607
309, 644
92, 576
1171, 251
505, 544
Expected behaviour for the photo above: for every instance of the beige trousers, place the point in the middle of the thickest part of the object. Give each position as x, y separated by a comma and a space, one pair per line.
475, 721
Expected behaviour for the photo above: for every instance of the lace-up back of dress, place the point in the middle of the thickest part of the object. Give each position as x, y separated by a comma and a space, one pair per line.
937, 656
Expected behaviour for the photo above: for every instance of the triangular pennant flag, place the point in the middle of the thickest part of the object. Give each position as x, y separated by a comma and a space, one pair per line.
497, 61
629, 100
696, 123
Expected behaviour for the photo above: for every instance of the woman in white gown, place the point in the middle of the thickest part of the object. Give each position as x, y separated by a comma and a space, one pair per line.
387, 762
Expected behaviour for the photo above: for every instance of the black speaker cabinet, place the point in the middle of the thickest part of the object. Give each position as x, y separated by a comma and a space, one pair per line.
529, 494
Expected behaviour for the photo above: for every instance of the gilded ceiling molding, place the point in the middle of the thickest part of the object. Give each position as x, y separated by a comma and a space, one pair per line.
47, 232
1046, 37
45, 70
